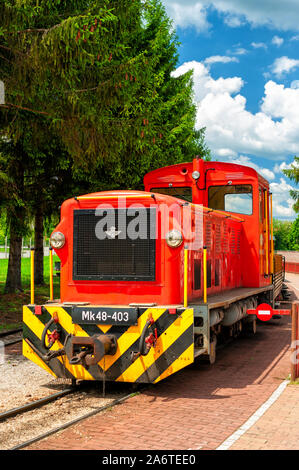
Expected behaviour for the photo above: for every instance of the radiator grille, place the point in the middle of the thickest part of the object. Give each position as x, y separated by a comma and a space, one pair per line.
117, 256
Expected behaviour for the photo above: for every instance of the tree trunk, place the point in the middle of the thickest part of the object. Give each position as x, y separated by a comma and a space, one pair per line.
13, 278
16, 217
39, 248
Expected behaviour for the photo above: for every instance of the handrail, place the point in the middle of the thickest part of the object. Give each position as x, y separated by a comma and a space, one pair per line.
272, 240
32, 276
186, 277
95, 198
267, 231
205, 275
225, 214
51, 272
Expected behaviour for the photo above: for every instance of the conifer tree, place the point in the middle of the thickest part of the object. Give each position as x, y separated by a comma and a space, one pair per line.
90, 94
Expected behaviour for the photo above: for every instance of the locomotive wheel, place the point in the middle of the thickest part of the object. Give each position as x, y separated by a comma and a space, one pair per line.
250, 328
212, 355
253, 327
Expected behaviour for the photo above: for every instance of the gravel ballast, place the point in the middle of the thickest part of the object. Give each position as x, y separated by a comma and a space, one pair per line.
22, 382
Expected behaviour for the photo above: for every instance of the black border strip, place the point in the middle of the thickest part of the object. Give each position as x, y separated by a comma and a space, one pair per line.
115, 277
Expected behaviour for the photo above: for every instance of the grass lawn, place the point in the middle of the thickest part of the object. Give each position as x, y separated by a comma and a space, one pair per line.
11, 304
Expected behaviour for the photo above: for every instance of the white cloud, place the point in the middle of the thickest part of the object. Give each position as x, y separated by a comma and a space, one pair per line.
233, 132
283, 65
234, 21
220, 58
282, 202
281, 167
285, 166
270, 133
244, 160
204, 84
259, 45
283, 103
283, 15
237, 51
277, 41
186, 14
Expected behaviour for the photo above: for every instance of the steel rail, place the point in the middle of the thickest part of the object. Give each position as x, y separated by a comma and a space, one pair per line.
10, 332
13, 341
35, 404
115, 402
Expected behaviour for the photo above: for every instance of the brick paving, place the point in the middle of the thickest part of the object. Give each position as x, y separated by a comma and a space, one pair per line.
197, 408
278, 428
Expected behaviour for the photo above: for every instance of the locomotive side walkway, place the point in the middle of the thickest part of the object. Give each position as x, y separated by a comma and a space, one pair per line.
202, 407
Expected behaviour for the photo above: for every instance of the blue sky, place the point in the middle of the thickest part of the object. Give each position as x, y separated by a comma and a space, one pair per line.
245, 57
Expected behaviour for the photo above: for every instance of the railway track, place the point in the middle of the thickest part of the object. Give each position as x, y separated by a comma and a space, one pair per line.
115, 402
11, 336
34, 404
16, 417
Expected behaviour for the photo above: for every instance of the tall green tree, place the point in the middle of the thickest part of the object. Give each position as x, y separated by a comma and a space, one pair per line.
293, 174
281, 231
167, 135
95, 79
294, 236
56, 61
12, 189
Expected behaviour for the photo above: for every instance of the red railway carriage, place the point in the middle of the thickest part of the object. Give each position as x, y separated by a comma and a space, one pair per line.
150, 280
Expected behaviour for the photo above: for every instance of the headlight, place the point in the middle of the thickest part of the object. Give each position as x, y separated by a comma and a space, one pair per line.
174, 238
57, 240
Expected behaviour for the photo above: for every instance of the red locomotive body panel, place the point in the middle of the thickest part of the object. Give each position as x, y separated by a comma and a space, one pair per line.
233, 231
167, 286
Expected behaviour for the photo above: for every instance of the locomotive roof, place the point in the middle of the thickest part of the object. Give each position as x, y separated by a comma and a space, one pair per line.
182, 172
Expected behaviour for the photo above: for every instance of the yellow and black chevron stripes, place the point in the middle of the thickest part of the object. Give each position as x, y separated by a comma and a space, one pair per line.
173, 351
175, 336
33, 326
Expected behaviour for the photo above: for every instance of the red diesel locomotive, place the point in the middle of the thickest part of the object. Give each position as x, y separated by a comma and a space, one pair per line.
150, 280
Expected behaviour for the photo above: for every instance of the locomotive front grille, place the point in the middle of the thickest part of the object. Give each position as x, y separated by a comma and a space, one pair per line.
114, 244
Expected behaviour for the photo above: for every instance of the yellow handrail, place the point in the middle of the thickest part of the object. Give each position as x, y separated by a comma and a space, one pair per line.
216, 211
95, 198
51, 273
267, 233
185, 277
205, 275
272, 239
32, 276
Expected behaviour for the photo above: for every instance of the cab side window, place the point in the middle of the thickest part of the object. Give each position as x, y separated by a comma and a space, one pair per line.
232, 198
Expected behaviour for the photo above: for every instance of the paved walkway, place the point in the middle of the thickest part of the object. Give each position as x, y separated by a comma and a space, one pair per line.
203, 408
278, 427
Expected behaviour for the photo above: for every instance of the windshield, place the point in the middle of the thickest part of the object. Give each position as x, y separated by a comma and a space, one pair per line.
184, 193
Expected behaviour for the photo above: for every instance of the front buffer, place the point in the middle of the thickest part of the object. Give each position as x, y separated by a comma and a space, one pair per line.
122, 344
